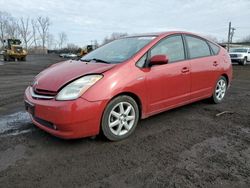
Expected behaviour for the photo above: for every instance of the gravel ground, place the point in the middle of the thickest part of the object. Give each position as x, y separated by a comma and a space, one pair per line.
185, 147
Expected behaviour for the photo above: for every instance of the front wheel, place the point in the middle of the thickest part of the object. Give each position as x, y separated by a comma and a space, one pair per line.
220, 90
120, 118
244, 61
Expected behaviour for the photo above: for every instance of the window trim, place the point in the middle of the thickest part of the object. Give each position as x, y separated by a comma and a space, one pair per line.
149, 50
146, 60
213, 53
188, 52
165, 38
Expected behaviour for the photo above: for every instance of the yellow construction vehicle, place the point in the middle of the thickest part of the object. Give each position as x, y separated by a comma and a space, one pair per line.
13, 50
86, 50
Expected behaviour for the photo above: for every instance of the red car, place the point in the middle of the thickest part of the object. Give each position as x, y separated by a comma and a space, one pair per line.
135, 77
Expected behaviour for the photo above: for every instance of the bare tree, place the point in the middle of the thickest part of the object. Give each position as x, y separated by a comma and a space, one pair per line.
6, 28
113, 36
3, 25
34, 31
12, 28
62, 38
25, 32
43, 29
51, 41
72, 47
245, 39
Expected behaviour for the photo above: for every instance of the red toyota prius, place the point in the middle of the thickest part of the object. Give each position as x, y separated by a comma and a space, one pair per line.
111, 88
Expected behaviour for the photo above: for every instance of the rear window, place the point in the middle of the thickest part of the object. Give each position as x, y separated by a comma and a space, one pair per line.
214, 47
197, 47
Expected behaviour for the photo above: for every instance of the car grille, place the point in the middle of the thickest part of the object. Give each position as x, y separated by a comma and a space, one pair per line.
42, 94
233, 55
18, 49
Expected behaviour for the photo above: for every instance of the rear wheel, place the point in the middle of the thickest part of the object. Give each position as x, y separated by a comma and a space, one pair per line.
120, 118
220, 90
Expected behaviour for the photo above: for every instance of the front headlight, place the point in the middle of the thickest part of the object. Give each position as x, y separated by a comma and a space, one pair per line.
240, 55
76, 88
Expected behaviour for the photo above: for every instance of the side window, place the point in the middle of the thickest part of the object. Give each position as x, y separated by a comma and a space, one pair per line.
214, 47
142, 61
172, 47
197, 47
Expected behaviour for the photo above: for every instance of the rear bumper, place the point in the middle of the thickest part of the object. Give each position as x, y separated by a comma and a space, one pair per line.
67, 119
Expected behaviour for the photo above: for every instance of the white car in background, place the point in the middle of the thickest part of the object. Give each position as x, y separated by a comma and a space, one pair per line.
68, 55
240, 55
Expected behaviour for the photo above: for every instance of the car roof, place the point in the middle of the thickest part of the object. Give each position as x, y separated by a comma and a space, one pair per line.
157, 34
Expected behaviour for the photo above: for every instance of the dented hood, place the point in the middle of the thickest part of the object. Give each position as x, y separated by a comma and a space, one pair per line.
56, 76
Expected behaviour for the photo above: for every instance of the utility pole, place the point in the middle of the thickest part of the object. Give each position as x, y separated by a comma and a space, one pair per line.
232, 34
229, 37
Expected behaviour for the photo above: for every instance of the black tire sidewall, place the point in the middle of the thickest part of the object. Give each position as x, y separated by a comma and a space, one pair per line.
214, 98
105, 118
244, 61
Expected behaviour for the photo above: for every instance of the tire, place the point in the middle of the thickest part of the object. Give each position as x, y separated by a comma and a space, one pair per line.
219, 90
120, 118
244, 62
7, 58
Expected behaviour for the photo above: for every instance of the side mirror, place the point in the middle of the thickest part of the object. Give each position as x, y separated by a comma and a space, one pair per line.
158, 60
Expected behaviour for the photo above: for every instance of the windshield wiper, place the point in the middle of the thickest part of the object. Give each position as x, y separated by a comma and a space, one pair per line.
96, 60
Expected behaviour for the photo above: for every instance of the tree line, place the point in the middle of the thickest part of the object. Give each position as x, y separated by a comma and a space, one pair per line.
33, 32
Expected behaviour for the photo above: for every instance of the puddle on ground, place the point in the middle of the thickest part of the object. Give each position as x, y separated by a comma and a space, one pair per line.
14, 124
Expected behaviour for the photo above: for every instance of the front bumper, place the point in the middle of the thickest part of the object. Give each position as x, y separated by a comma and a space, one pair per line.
66, 119
237, 59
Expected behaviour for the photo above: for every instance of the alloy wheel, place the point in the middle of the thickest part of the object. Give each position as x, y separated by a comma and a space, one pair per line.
121, 118
220, 89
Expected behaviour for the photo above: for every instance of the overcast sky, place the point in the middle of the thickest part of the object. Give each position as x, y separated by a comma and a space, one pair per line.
84, 20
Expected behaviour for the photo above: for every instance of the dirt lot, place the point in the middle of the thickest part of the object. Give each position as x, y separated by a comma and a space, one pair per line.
186, 147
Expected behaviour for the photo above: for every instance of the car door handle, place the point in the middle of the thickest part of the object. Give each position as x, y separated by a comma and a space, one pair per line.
185, 69
215, 63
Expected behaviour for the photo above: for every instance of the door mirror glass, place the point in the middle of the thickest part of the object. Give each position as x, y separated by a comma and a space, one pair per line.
158, 60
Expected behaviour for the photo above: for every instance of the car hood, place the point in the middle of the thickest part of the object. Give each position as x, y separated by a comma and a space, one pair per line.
57, 75
237, 53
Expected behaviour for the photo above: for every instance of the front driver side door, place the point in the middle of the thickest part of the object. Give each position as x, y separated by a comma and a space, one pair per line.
168, 85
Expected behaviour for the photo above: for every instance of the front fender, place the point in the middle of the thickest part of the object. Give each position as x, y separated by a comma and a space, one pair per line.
120, 79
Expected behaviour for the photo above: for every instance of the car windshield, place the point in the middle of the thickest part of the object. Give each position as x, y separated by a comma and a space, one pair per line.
241, 50
119, 50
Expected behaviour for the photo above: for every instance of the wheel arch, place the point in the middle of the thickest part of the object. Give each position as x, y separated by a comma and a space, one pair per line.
133, 96
227, 78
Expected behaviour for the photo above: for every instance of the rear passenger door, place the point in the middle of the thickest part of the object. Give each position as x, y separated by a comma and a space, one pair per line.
203, 67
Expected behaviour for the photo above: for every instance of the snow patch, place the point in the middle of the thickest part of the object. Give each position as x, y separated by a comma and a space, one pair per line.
17, 122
